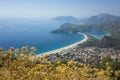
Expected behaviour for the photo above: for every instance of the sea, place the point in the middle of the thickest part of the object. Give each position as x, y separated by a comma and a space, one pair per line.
37, 33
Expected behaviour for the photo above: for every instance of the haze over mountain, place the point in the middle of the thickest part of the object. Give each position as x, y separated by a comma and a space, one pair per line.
100, 18
69, 19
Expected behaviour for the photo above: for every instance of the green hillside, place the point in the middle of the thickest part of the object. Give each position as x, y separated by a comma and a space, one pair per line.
112, 27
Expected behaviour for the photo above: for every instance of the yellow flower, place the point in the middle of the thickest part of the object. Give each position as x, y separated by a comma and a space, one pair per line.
108, 68
58, 62
101, 73
46, 79
37, 73
44, 55
70, 63
117, 73
107, 63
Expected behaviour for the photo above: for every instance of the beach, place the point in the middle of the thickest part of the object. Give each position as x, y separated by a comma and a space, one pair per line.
67, 47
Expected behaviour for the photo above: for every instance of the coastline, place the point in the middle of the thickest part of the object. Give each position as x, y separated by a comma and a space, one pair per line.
67, 47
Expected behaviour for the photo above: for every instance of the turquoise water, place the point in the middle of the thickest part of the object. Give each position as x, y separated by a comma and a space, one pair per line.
97, 33
21, 32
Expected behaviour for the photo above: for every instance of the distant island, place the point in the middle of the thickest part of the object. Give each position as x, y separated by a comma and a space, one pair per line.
69, 19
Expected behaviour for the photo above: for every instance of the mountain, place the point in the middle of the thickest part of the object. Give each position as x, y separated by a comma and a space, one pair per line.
101, 18
112, 27
72, 28
69, 19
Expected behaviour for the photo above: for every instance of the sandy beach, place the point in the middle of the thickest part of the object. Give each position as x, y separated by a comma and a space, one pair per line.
67, 47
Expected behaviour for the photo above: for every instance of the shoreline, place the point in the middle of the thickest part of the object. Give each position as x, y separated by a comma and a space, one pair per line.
67, 47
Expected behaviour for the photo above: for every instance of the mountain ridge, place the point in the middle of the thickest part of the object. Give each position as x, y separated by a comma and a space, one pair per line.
100, 18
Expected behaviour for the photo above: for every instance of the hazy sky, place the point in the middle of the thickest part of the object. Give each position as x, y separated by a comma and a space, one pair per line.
52, 8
